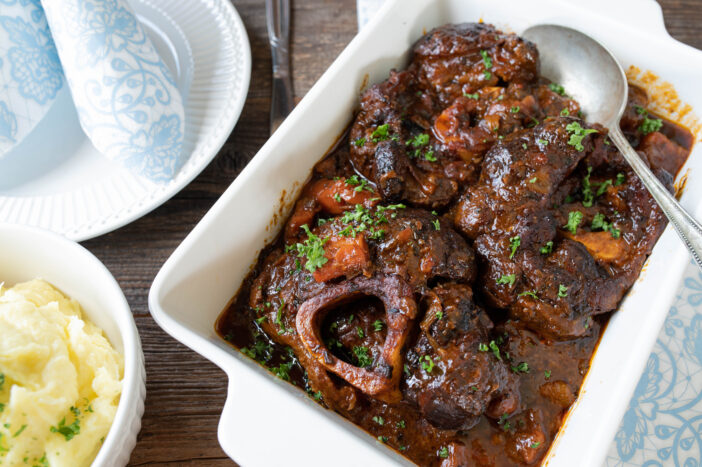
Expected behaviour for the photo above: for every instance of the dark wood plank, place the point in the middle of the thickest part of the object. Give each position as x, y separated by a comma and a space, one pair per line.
185, 393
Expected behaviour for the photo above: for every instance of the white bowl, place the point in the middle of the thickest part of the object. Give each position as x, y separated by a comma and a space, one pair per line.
29, 253
199, 279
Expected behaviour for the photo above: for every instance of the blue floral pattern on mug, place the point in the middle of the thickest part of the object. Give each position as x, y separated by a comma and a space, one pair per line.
126, 97
30, 70
663, 424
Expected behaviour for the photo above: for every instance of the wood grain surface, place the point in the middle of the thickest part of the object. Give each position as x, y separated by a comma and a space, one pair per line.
185, 393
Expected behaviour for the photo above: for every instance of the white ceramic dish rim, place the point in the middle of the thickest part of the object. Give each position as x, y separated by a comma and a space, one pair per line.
33, 243
648, 19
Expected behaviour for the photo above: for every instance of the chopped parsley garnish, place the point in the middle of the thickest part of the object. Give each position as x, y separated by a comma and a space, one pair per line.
598, 222
574, 220
337, 197
261, 319
542, 142
279, 314
514, 109
487, 62
524, 145
547, 374
401, 424
436, 224
360, 183
507, 279
360, 332
514, 243
621, 178
533, 180
443, 452
523, 367
471, 96
312, 249
377, 325
19, 432
427, 363
440, 314
380, 133
649, 125
577, 133
535, 445
565, 112
383, 439
2, 380
603, 187
419, 140
360, 142
482, 347
429, 155
562, 291
282, 371
317, 396
379, 420
546, 249
529, 293
68, 431
557, 88
362, 358
261, 351
495, 350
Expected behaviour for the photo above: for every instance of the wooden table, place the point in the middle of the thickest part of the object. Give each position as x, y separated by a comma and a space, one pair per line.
185, 393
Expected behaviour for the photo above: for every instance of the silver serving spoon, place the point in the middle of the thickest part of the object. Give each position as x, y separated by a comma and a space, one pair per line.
595, 79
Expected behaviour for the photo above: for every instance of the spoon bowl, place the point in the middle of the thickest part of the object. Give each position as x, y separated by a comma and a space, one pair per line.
585, 68
590, 74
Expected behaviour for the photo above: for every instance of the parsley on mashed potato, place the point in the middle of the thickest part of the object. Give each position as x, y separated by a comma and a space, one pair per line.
60, 379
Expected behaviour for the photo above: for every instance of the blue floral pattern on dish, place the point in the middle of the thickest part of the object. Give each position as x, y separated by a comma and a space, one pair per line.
663, 424
126, 97
30, 70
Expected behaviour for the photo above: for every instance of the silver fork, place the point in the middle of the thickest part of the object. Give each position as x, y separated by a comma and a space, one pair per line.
278, 22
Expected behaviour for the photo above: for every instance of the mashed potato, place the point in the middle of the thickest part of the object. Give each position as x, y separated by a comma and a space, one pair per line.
60, 379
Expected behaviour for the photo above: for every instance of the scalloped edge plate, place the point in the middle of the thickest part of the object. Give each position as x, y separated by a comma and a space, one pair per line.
57, 180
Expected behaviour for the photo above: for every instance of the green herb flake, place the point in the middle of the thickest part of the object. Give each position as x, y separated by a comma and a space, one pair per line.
562, 291
429, 155
360, 142
547, 374
68, 431
419, 141
577, 134
514, 243
436, 224
487, 62
621, 178
380, 133
565, 112
19, 432
574, 220
546, 249
507, 279
529, 293
522, 367
649, 125
427, 363
557, 88
377, 325
514, 109
443, 452
542, 142
401, 424
362, 358
535, 445
312, 249
360, 332
495, 350
471, 96
379, 420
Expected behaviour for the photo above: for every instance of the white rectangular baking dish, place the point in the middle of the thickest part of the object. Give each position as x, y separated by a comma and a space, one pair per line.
269, 422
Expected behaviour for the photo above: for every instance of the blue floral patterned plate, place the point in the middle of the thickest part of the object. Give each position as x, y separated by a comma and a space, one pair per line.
663, 424
55, 179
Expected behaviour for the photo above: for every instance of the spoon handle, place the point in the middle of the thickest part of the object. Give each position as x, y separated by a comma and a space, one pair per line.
687, 227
